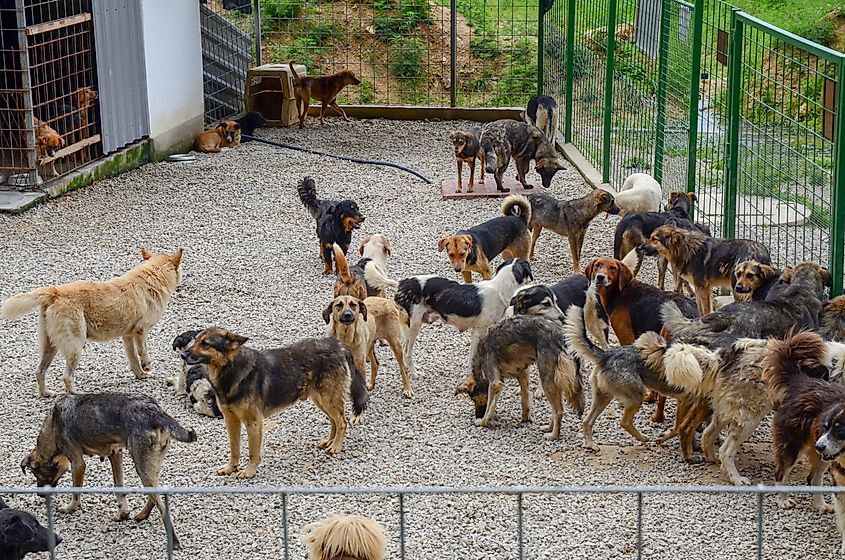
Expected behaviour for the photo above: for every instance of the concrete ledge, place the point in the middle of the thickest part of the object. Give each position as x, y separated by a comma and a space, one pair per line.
418, 113
590, 174
14, 202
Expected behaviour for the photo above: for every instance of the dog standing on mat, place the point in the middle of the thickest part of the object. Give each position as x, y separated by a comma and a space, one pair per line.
322, 88
105, 424
542, 113
468, 150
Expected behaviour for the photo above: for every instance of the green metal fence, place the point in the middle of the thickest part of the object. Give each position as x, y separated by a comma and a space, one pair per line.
710, 100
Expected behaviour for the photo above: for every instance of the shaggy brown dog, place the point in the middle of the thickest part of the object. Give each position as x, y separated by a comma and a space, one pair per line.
225, 135
127, 306
322, 88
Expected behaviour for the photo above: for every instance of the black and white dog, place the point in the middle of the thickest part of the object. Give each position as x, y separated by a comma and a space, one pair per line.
192, 380
464, 306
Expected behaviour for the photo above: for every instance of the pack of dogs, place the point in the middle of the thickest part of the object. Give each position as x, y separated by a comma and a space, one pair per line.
778, 345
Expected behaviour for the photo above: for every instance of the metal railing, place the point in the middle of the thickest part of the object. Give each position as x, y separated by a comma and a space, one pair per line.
709, 100
518, 492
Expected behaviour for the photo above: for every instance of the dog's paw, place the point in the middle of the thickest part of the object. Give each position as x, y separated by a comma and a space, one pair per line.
551, 436
592, 447
408, 393
787, 503
248, 472
822, 506
121, 515
358, 419
696, 460
741, 481
227, 469
48, 393
70, 508
482, 423
141, 515
546, 428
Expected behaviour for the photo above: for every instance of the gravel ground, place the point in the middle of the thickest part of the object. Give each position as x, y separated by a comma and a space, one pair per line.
251, 265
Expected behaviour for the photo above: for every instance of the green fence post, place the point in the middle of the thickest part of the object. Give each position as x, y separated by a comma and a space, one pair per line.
540, 47
662, 64
608, 91
570, 71
837, 201
734, 106
695, 84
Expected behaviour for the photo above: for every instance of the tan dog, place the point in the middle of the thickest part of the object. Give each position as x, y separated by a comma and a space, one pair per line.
369, 276
345, 537
322, 88
360, 323
226, 135
47, 142
127, 307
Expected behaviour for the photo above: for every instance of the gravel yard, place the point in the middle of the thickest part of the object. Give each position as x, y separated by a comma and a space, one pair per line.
251, 265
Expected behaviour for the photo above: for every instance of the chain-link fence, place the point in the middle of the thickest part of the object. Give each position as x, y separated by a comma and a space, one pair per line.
710, 100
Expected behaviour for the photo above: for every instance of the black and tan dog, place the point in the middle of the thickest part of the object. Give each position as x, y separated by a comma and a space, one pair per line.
507, 350
505, 139
703, 261
634, 229
254, 384
249, 123
753, 280
21, 534
105, 424
569, 218
471, 250
227, 134
335, 220
468, 150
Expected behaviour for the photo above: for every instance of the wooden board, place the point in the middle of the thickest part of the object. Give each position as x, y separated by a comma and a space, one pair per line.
487, 190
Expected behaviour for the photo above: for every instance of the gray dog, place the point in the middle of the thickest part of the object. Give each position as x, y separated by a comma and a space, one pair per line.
104, 424
505, 139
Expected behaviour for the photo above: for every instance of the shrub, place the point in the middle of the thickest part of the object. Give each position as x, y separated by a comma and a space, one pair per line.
272, 11
406, 58
366, 92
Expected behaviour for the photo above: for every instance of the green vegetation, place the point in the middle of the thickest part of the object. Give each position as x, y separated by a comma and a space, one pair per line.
805, 18
275, 12
406, 58
366, 92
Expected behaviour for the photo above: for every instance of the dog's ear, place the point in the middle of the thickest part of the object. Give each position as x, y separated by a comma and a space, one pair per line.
236, 126
234, 341
466, 387
30, 462
588, 271
145, 254
176, 257
441, 244
363, 309
827, 279
785, 275
386, 245
331, 209
327, 312
17, 532
766, 271
625, 276
363, 242
691, 197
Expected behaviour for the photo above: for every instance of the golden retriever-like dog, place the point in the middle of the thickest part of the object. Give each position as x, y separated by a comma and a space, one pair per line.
227, 134
127, 307
345, 537
360, 323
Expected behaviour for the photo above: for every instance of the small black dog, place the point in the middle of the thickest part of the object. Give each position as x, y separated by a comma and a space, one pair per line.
21, 533
192, 380
335, 221
249, 123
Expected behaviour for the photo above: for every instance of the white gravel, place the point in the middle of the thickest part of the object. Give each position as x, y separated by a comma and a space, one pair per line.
251, 265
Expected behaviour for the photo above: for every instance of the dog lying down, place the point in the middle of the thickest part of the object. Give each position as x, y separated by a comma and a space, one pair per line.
192, 381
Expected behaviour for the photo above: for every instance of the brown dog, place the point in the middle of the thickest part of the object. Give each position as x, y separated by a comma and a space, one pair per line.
468, 150
47, 142
753, 280
227, 134
322, 88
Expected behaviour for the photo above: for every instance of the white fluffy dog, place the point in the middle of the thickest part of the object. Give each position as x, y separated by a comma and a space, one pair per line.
639, 193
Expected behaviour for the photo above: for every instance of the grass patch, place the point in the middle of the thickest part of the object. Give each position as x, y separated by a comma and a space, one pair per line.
366, 92
805, 18
274, 13
406, 56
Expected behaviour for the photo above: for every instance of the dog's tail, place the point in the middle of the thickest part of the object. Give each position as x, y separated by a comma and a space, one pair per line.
177, 431
357, 387
595, 318
376, 277
307, 190
803, 353
296, 77
569, 378
632, 260
683, 366
21, 304
576, 337
342, 265
517, 205
345, 536
674, 320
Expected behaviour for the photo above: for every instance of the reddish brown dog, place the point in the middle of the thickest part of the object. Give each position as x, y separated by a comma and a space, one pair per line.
322, 88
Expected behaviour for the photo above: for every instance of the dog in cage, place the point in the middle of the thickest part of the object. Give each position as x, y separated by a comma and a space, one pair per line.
47, 142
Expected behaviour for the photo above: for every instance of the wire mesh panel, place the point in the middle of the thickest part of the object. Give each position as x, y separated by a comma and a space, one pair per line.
227, 52
17, 141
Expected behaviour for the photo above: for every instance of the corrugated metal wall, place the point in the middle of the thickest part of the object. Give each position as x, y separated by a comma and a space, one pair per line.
119, 41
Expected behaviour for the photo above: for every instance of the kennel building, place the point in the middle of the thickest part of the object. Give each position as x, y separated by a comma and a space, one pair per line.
82, 79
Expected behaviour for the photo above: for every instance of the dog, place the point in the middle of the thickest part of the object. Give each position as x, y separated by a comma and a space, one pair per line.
105, 424
249, 123
254, 384
639, 193
468, 150
359, 324
630, 306
21, 533
832, 320
624, 373
127, 307
596, 39
569, 218
753, 280
635, 228
702, 261
192, 381
227, 134
321, 88
464, 306
810, 419
542, 113
47, 142
345, 537
336, 220
505, 139
507, 350
471, 250
795, 305
369, 276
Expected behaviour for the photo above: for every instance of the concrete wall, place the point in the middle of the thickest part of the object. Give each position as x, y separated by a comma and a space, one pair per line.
173, 56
